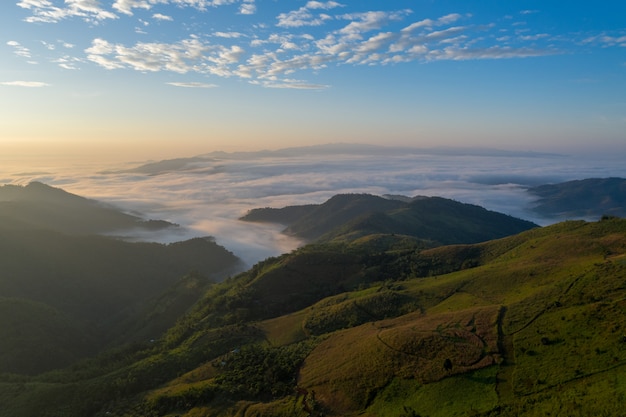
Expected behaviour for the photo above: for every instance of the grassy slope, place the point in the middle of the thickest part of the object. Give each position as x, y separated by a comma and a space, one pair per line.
532, 324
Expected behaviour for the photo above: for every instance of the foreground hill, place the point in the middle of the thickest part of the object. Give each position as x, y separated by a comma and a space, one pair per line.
66, 293
349, 216
592, 197
531, 324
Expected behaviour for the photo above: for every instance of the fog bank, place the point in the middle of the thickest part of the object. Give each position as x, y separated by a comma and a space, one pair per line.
207, 194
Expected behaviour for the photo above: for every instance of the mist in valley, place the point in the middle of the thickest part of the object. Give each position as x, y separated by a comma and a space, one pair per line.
207, 194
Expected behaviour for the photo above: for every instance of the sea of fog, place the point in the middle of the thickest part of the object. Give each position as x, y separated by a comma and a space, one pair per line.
206, 195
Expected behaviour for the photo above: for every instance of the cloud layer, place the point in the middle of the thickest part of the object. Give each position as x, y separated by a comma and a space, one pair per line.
289, 50
207, 195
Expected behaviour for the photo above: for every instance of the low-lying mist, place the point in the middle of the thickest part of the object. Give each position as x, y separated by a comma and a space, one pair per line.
206, 195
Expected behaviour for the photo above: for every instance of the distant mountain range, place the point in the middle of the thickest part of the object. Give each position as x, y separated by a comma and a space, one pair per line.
210, 163
376, 150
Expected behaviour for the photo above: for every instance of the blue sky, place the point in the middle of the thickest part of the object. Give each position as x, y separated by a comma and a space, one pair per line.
178, 77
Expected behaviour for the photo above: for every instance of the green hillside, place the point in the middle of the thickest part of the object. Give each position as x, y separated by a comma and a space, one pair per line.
438, 220
591, 197
67, 293
100, 285
531, 324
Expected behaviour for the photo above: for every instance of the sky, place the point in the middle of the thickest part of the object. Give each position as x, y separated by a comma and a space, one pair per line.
123, 79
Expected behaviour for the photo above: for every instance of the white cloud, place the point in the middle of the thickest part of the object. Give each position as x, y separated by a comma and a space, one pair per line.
614, 40
444, 34
534, 37
91, 10
304, 17
350, 45
45, 11
162, 17
231, 35
180, 57
48, 46
449, 18
29, 84
370, 37
192, 85
368, 21
96, 53
247, 7
418, 25
127, 6
443, 20
493, 52
19, 50
323, 5
301, 17
296, 85
67, 62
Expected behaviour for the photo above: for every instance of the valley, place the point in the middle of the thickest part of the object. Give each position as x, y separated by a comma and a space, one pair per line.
359, 321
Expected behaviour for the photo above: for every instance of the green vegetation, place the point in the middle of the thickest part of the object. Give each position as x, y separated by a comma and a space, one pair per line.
67, 294
592, 197
105, 287
436, 220
380, 325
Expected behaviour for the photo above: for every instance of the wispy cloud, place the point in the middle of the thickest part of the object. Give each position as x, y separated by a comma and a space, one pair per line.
494, 52
269, 56
19, 50
295, 84
247, 7
28, 84
614, 41
162, 17
607, 39
192, 85
229, 35
363, 40
68, 62
45, 11
127, 6
92, 11
188, 55
305, 16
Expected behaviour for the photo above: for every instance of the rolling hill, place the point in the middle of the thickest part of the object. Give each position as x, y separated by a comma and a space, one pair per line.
349, 216
67, 293
529, 324
588, 198
41, 206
